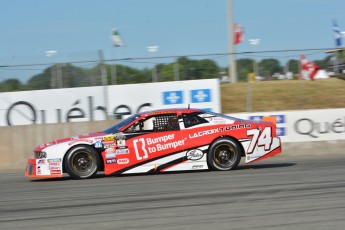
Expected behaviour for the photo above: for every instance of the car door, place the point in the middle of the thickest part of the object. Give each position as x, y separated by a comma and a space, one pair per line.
153, 142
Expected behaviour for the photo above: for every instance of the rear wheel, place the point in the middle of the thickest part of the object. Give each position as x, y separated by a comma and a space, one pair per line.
82, 162
224, 154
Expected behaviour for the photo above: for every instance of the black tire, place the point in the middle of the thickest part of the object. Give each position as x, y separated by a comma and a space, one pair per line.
82, 162
224, 154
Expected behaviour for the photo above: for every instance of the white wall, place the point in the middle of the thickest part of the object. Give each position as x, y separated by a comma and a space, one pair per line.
99, 103
305, 125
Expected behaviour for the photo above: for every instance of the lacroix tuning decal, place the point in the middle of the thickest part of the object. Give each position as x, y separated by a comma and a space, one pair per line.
217, 130
203, 133
144, 146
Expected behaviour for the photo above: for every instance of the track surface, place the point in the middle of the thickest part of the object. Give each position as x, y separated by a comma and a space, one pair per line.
279, 193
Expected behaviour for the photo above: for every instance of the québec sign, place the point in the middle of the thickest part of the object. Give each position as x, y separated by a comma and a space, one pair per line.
99, 103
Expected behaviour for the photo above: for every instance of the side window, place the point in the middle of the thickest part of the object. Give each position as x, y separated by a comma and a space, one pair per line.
166, 122
159, 123
193, 119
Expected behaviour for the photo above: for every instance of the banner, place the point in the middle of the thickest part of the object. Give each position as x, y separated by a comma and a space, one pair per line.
305, 125
105, 102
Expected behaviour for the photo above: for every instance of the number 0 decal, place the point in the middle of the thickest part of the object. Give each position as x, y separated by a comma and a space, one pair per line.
260, 139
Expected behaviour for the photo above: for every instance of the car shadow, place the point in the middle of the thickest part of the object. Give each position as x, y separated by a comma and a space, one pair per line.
240, 167
265, 166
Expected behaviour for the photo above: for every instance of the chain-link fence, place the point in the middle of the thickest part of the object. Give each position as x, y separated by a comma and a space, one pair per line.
65, 70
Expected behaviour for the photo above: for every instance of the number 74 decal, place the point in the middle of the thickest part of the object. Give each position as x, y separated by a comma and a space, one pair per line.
259, 138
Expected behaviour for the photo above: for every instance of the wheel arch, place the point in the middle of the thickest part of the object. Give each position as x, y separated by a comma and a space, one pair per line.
101, 166
231, 138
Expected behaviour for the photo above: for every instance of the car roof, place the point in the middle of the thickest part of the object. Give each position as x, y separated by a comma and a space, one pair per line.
166, 111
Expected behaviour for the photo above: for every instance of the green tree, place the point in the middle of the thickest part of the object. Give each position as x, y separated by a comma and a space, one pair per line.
293, 66
244, 67
11, 85
268, 67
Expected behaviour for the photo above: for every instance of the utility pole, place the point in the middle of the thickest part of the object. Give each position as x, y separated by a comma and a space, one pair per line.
232, 63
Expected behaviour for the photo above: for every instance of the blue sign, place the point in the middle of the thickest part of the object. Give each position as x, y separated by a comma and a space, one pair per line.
256, 118
281, 131
200, 95
172, 97
280, 120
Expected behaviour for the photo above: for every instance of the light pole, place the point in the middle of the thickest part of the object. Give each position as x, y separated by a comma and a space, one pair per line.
153, 50
254, 43
232, 62
51, 54
343, 34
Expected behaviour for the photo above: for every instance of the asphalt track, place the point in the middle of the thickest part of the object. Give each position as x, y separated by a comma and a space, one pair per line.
279, 193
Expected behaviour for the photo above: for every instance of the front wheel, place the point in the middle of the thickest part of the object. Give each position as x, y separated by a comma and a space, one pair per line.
224, 154
82, 162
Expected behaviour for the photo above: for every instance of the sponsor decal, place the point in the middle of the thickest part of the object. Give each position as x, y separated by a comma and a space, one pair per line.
54, 160
41, 161
54, 163
108, 138
200, 95
164, 139
231, 127
143, 147
98, 144
203, 133
123, 161
111, 161
122, 151
38, 170
110, 150
194, 154
55, 171
172, 97
197, 166
108, 144
121, 143
54, 168
81, 140
314, 129
110, 155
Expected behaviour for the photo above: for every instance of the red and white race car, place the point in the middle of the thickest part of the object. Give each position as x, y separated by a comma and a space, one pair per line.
158, 141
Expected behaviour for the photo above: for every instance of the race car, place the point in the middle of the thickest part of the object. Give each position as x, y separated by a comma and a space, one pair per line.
158, 141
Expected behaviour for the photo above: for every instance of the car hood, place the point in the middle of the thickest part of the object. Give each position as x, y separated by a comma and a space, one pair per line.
89, 137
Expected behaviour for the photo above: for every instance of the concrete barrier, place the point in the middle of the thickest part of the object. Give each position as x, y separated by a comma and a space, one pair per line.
17, 142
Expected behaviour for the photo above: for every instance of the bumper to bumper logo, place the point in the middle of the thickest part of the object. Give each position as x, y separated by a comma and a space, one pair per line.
172, 97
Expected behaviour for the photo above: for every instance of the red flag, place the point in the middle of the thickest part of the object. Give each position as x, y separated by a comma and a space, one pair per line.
238, 33
308, 68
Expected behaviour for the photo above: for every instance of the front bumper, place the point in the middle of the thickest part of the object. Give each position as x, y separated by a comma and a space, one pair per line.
43, 168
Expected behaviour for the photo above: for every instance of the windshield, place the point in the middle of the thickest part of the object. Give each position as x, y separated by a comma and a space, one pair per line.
117, 127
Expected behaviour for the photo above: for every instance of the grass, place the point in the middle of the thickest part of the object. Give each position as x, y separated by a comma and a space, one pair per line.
284, 95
